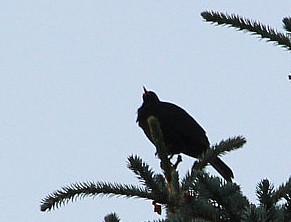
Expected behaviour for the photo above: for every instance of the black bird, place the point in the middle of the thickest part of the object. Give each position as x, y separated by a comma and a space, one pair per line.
182, 134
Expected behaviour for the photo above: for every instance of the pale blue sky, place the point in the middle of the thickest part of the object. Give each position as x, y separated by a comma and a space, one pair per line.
71, 77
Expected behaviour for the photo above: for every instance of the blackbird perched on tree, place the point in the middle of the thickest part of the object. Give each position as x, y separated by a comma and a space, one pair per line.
182, 134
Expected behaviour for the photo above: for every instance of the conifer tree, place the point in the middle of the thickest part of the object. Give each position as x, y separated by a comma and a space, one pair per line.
255, 27
197, 196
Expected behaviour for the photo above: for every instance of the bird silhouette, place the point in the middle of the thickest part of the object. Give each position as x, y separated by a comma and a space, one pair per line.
182, 134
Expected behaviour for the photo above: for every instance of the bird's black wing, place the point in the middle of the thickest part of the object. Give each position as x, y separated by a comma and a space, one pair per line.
183, 128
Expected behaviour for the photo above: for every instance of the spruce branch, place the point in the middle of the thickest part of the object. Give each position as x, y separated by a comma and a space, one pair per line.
226, 197
158, 139
219, 149
265, 193
264, 31
253, 214
90, 189
202, 210
171, 174
189, 180
287, 207
287, 23
111, 218
145, 174
283, 191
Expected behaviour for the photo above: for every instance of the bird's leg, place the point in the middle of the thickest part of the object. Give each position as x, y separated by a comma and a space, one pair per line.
179, 160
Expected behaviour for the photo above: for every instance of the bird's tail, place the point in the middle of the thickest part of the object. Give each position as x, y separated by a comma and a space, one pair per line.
222, 168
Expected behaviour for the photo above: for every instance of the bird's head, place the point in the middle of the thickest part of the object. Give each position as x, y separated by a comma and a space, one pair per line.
149, 97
